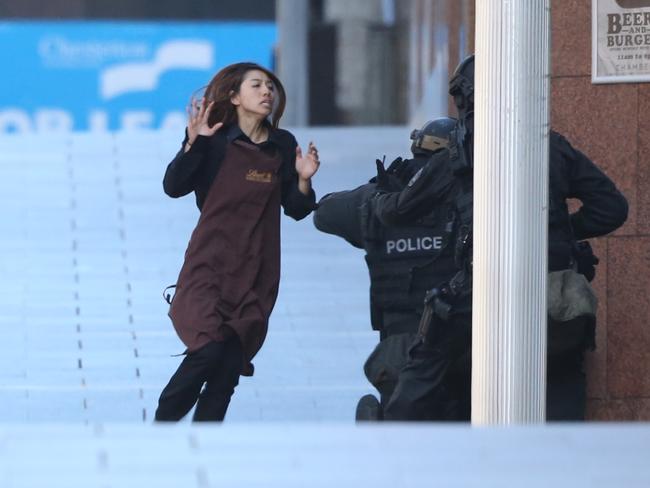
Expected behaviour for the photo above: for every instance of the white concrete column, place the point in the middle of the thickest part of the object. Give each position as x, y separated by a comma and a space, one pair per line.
292, 18
510, 211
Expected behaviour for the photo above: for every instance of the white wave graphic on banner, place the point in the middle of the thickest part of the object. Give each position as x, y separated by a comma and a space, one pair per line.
129, 77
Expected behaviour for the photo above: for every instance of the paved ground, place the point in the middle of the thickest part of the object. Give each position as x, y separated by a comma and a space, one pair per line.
88, 243
264, 455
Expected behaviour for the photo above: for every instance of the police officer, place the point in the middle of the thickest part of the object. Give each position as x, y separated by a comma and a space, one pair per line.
434, 382
448, 177
403, 261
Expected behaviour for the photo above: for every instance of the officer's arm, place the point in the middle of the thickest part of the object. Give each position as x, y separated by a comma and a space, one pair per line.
340, 213
604, 208
430, 186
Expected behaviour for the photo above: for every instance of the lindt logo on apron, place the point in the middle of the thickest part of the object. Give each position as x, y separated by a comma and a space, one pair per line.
259, 176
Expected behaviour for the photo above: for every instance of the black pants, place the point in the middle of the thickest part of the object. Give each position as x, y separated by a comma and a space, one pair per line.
566, 386
435, 382
217, 365
437, 386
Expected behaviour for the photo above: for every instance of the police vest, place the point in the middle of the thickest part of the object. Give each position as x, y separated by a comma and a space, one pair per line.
406, 261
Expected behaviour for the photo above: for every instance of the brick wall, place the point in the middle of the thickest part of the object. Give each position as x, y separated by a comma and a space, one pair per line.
611, 124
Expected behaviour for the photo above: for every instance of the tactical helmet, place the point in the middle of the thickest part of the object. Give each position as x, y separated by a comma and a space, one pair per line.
461, 85
433, 136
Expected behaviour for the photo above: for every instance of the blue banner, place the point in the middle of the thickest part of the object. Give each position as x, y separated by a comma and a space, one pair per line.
104, 76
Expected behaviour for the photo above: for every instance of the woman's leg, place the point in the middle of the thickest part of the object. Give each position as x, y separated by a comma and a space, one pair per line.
182, 391
215, 397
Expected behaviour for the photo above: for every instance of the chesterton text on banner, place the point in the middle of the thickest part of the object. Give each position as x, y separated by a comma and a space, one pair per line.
116, 76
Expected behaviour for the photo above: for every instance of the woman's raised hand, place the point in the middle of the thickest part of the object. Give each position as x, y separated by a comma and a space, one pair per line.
198, 113
306, 166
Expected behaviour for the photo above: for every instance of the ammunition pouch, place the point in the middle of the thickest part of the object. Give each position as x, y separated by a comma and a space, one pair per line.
572, 306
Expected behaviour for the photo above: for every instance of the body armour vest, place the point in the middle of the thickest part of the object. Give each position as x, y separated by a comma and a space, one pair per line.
406, 261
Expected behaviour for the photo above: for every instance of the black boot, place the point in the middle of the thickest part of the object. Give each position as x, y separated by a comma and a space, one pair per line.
368, 409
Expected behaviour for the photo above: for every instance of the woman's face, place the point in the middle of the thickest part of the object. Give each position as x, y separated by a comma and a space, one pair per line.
256, 95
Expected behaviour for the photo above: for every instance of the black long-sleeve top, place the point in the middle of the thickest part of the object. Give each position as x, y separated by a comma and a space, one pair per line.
196, 169
573, 175
604, 208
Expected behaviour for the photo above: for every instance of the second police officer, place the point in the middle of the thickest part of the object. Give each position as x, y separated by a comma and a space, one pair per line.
404, 261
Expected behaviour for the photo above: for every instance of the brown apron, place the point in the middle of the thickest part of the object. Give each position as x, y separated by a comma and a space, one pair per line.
230, 276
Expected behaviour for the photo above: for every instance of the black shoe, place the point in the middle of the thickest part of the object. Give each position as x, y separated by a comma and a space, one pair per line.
368, 409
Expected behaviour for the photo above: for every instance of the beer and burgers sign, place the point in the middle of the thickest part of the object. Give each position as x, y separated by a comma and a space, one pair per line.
620, 41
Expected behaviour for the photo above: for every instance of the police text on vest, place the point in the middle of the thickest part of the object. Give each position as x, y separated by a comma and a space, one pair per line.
414, 244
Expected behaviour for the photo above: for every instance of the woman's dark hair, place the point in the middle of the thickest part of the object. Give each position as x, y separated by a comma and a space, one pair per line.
227, 82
